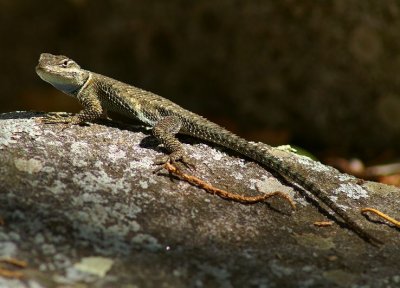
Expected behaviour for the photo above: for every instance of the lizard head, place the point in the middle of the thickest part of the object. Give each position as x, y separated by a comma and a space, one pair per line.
61, 72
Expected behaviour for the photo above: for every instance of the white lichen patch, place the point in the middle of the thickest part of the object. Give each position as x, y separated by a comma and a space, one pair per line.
11, 131
61, 261
96, 265
88, 197
213, 155
351, 190
77, 162
242, 163
280, 270
196, 151
116, 221
48, 249
253, 183
129, 210
79, 148
271, 184
7, 249
146, 241
51, 170
134, 226
99, 164
39, 239
345, 177
78, 152
58, 187
144, 164
313, 165
49, 139
335, 199
115, 153
100, 180
143, 184
45, 139
217, 155
237, 175
30, 166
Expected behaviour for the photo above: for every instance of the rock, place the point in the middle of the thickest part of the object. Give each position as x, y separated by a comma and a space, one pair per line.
83, 207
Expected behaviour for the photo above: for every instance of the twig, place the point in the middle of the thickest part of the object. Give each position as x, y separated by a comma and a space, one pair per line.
323, 223
382, 215
10, 274
225, 194
15, 262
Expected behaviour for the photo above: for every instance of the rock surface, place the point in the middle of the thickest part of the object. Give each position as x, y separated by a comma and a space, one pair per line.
83, 207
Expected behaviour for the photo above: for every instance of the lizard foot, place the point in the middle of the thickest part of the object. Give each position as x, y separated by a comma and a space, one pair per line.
60, 117
176, 160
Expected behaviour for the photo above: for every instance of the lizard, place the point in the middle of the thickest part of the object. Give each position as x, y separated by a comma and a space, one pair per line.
98, 94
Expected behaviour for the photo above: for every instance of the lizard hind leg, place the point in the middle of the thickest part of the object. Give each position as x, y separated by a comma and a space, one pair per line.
165, 130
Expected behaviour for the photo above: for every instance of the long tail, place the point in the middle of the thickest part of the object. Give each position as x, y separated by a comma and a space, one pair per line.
262, 154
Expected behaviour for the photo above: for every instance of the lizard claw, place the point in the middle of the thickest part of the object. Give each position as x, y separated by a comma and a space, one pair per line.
55, 118
160, 162
188, 163
61, 118
178, 162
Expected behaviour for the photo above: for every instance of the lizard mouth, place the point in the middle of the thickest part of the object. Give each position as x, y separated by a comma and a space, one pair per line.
60, 82
40, 69
42, 72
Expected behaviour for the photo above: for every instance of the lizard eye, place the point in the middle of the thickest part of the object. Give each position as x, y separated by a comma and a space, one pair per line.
65, 63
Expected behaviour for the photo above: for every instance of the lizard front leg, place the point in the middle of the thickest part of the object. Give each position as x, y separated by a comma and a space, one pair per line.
92, 110
165, 130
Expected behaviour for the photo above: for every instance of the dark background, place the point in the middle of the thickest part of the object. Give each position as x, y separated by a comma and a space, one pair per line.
320, 74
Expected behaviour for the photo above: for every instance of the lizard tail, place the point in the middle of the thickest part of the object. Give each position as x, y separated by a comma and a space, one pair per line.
261, 153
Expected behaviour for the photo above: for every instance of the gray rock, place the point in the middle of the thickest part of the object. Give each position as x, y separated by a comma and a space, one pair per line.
83, 207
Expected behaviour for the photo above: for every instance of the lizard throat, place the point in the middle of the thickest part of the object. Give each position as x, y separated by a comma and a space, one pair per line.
60, 83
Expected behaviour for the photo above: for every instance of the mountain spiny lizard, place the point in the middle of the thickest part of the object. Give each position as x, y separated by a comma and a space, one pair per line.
98, 93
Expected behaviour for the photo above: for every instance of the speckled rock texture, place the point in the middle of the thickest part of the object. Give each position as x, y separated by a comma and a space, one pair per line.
83, 207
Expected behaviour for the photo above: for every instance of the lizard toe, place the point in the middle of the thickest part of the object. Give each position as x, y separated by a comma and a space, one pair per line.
185, 160
179, 161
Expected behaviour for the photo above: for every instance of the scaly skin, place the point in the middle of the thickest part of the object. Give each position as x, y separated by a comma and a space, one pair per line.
99, 94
